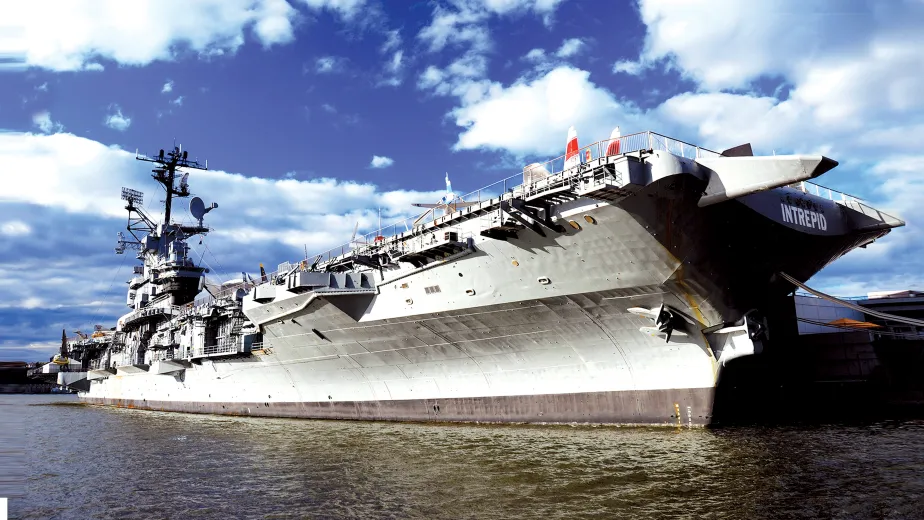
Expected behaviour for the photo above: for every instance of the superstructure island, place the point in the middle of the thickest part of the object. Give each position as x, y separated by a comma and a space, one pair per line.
611, 285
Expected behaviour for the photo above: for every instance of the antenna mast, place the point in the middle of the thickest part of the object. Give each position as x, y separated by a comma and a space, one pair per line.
165, 173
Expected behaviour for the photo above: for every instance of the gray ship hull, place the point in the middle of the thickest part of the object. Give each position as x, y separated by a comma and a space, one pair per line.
560, 325
626, 408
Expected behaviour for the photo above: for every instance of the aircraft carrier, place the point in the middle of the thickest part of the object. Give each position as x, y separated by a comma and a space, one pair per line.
611, 285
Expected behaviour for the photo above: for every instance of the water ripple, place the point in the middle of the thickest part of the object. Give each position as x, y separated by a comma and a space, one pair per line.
93, 462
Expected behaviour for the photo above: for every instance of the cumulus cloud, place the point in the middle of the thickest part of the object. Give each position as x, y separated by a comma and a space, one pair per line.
535, 55
347, 9
853, 78
463, 23
65, 164
117, 121
273, 23
42, 121
727, 44
632, 68
532, 117
83, 31
852, 72
379, 161
570, 47
178, 101
167, 88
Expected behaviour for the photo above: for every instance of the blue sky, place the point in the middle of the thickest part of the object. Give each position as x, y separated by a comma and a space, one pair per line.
314, 114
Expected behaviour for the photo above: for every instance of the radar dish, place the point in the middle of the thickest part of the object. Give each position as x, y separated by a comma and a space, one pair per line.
197, 208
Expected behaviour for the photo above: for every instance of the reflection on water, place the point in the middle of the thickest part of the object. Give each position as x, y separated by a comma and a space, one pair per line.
92, 462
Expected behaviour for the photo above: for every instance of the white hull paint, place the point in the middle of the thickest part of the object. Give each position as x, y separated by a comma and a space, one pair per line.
514, 336
535, 328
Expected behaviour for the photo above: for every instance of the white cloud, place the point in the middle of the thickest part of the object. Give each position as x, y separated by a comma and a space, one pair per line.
379, 161
117, 121
274, 22
348, 9
633, 68
535, 55
543, 7
43, 87
392, 41
463, 78
464, 23
328, 64
570, 47
729, 43
396, 63
32, 303
168, 87
178, 101
394, 68
133, 33
849, 75
455, 27
74, 217
330, 109
533, 116
65, 164
42, 121
15, 228
852, 74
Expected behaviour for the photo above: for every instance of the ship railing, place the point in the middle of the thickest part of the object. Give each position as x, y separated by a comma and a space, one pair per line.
224, 346
547, 173
517, 184
823, 191
848, 298
225, 293
401, 243
164, 355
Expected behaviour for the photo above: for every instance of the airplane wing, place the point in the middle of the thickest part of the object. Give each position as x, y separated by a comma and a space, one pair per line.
641, 311
427, 205
464, 204
653, 331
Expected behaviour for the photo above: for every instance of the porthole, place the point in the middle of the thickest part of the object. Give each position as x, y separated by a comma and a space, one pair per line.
590, 220
575, 225
515, 263
409, 301
544, 280
470, 292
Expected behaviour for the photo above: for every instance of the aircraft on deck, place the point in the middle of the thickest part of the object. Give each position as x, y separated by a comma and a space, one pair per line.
448, 203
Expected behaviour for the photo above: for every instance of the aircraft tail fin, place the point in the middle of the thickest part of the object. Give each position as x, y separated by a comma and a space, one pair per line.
571, 150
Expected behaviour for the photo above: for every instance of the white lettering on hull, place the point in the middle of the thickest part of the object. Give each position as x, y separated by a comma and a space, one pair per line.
804, 217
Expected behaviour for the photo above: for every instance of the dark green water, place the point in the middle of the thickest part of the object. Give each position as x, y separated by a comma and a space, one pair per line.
89, 462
